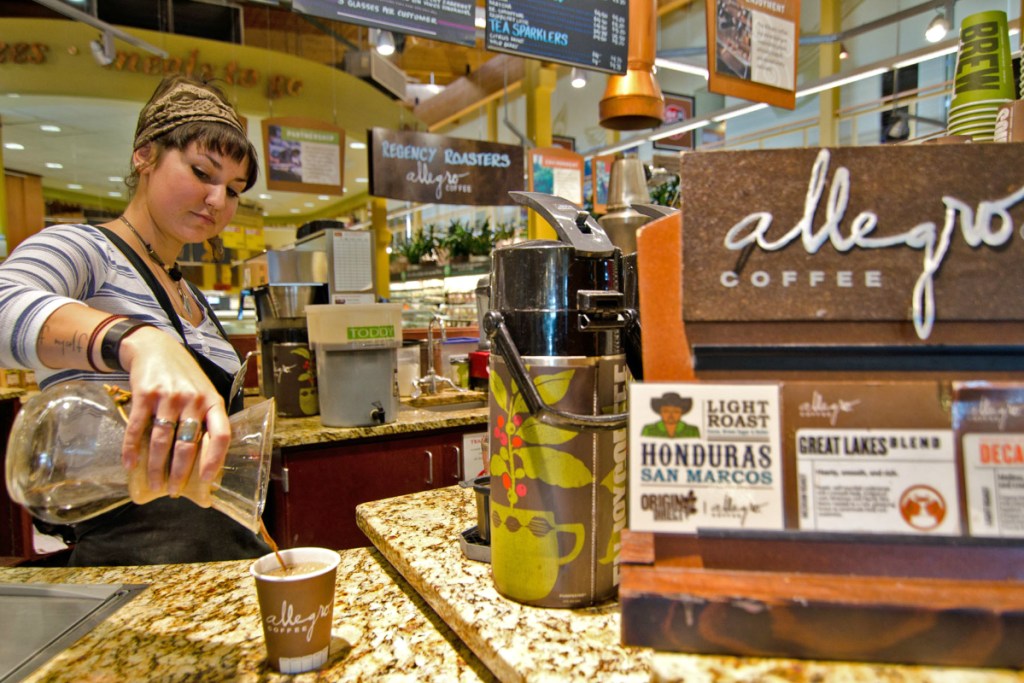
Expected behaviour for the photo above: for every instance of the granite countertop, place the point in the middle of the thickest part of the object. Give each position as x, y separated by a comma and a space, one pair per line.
200, 622
301, 431
7, 393
419, 535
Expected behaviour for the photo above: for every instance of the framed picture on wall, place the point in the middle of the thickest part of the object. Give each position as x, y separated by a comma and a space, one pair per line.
564, 142
678, 108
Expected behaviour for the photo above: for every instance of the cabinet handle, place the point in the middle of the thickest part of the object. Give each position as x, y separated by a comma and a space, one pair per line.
459, 474
430, 468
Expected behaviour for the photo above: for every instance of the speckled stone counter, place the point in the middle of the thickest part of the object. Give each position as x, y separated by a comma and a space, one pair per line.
7, 393
301, 431
201, 623
419, 535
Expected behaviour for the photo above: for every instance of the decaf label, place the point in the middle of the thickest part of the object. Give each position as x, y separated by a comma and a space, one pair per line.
877, 480
704, 456
921, 234
989, 424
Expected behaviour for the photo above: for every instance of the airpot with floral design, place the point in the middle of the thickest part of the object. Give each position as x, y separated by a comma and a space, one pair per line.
558, 376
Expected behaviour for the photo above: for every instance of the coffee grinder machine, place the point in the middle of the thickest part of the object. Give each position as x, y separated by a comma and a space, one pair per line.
287, 367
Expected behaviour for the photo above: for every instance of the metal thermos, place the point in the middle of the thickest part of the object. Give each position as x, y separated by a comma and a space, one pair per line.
557, 421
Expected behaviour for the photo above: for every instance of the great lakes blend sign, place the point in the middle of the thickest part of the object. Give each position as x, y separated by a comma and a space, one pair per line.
435, 169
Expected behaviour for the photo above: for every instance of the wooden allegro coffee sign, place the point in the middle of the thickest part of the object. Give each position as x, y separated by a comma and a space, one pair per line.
424, 167
924, 233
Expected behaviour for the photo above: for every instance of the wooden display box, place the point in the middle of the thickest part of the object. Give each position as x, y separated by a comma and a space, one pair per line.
947, 602
940, 601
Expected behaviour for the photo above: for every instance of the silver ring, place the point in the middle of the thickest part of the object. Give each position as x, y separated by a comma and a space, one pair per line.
161, 422
188, 431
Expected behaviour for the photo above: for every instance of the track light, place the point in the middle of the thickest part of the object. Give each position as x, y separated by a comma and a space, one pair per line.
103, 49
385, 43
578, 78
937, 29
843, 52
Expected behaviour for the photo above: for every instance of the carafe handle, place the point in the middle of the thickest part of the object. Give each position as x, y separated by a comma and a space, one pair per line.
494, 326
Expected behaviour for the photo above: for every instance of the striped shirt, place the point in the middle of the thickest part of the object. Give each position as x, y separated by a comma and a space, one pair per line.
76, 264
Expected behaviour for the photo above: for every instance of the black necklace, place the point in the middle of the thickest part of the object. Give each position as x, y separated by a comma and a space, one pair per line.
174, 272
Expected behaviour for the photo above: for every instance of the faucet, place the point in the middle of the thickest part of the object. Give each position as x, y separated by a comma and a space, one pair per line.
432, 383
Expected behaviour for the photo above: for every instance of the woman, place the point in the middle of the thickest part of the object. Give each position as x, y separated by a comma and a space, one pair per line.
107, 304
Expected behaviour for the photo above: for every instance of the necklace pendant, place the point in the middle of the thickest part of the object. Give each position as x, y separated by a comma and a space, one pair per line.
186, 300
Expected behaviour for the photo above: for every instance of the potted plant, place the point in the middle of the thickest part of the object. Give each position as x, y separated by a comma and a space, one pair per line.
458, 243
419, 246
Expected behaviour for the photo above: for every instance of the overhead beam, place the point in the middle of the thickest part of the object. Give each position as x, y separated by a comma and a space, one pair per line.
468, 93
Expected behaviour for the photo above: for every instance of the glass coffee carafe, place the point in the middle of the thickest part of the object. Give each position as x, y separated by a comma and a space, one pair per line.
64, 459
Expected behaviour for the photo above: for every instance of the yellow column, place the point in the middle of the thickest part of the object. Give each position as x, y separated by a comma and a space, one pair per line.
828, 64
381, 239
538, 83
3, 191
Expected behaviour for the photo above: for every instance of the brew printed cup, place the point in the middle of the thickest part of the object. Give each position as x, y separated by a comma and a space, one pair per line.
297, 606
984, 70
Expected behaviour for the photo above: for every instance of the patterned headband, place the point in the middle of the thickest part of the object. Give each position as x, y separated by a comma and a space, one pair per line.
183, 103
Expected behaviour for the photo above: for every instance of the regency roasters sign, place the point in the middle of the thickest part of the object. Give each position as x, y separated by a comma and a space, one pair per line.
429, 168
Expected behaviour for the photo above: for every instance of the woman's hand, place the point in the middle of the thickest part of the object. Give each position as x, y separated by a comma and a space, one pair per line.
173, 400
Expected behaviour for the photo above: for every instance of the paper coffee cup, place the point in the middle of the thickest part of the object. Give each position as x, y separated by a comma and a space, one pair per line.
297, 610
983, 66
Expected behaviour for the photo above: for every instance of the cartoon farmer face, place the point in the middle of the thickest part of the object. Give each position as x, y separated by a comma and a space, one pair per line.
671, 407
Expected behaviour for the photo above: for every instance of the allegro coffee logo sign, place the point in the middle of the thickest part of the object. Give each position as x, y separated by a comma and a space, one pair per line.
862, 234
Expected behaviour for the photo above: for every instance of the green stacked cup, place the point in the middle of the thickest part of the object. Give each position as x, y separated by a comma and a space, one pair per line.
983, 79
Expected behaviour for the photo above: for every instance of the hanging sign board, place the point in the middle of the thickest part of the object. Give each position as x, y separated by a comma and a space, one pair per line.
450, 21
919, 234
303, 155
592, 34
752, 49
435, 169
557, 171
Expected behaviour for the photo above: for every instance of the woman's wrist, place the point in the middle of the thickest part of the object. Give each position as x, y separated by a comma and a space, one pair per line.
112, 340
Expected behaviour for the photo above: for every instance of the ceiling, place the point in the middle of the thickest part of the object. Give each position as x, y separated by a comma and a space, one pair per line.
94, 151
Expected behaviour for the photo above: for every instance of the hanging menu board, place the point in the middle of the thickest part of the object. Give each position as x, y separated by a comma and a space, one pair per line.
449, 21
592, 34
425, 167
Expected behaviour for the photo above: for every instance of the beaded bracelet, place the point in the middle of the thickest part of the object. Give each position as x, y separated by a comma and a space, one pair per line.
92, 339
110, 347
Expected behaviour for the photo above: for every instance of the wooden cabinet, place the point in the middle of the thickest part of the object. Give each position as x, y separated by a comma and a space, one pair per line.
315, 488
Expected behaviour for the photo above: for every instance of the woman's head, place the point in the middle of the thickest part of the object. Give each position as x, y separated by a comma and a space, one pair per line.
182, 111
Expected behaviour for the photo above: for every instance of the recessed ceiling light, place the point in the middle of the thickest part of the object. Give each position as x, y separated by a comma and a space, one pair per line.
53, 164
360, 180
357, 145
13, 145
264, 195
74, 186
13, 94
323, 197
115, 178
294, 210
49, 128
113, 194
308, 205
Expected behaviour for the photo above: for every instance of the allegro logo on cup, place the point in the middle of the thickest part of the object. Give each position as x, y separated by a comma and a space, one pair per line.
290, 622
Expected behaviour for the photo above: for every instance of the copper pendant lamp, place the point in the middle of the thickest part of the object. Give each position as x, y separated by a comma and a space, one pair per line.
634, 101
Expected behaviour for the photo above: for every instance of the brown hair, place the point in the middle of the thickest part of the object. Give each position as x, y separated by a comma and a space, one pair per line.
183, 110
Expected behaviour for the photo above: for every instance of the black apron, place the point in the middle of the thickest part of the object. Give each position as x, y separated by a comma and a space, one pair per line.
167, 530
